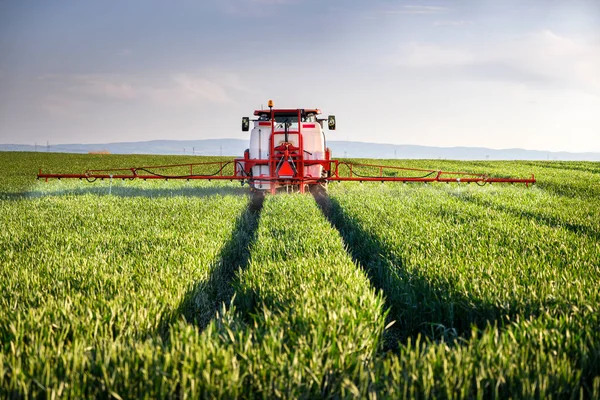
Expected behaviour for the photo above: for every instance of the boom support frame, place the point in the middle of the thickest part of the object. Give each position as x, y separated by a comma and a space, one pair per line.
334, 173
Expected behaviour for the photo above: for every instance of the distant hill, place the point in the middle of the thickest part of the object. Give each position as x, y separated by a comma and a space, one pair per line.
376, 150
236, 147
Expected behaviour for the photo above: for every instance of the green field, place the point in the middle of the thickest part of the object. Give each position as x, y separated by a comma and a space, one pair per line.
184, 289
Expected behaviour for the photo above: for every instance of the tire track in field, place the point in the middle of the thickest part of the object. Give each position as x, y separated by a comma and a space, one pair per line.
551, 221
416, 305
332, 212
202, 301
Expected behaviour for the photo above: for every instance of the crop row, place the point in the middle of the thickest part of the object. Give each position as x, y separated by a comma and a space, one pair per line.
84, 275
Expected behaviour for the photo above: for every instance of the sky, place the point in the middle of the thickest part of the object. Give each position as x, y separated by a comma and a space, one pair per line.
481, 73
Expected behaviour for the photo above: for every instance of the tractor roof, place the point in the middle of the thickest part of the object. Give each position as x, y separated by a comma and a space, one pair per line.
288, 111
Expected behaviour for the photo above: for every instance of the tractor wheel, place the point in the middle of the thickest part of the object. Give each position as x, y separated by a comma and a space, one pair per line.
319, 189
257, 197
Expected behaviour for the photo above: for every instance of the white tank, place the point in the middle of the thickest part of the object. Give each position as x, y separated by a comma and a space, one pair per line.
259, 150
314, 143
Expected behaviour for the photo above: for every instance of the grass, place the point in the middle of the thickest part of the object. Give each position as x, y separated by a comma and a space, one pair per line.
507, 302
177, 289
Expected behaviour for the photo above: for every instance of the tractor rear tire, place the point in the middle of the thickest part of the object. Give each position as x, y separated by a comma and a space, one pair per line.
257, 197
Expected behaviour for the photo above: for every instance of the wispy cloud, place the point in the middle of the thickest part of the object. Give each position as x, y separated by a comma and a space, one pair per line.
451, 23
76, 97
417, 9
253, 8
195, 88
425, 55
124, 52
568, 61
105, 87
63, 107
198, 89
538, 57
272, 2
177, 89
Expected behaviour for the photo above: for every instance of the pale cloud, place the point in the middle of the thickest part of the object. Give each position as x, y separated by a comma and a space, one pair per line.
253, 8
538, 57
106, 87
63, 107
423, 55
183, 89
195, 88
90, 86
386, 10
559, 58
417, 9
451, 23
65, 92
273, 2
124, 52
73, 97
231, 81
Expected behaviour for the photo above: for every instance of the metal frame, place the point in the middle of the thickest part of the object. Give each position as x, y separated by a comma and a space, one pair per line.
332, 167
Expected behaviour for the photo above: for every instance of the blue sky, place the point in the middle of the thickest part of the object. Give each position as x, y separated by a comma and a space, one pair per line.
499, 74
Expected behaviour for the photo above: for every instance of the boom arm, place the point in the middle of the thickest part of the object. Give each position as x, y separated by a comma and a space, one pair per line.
336, 171
384, 173
172, 171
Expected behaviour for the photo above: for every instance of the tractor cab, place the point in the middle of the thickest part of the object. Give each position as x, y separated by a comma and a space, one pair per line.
289, 117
